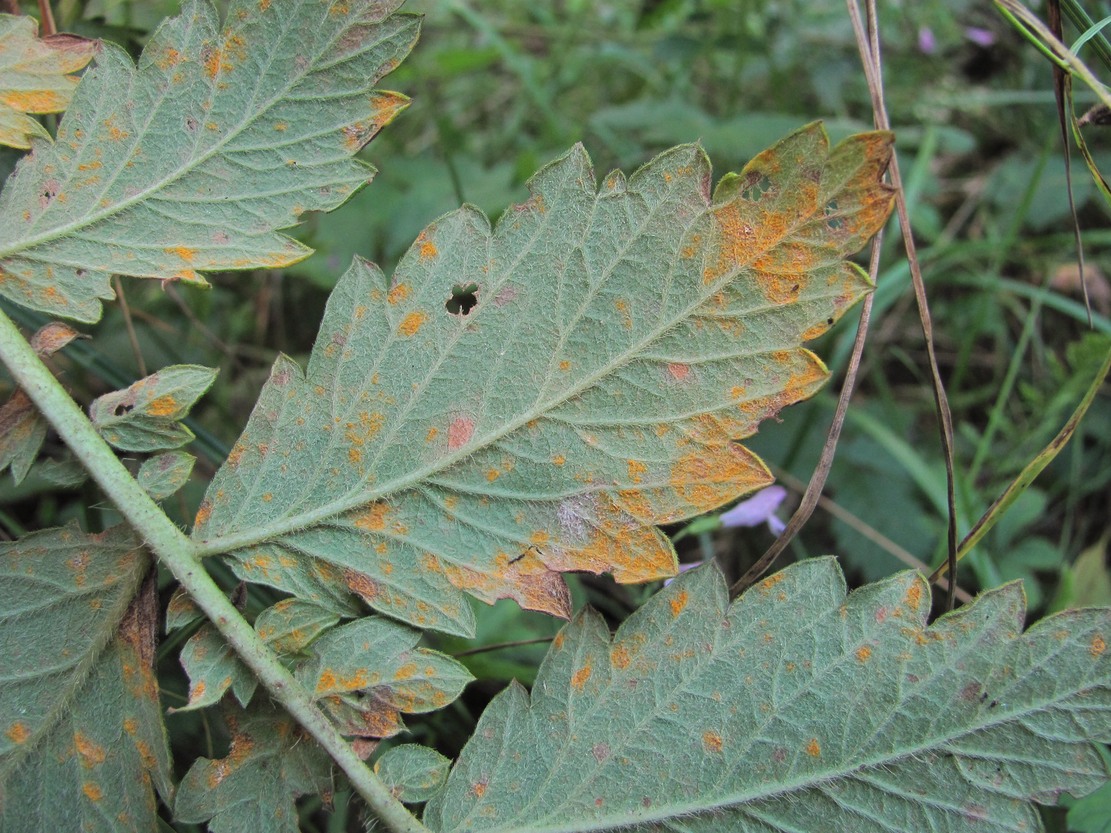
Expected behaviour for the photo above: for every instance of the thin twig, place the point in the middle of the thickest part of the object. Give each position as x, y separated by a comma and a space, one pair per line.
46, 25
497, 646
868, 43
129, 325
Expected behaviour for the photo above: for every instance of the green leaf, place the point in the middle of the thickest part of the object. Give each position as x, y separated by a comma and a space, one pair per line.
292, 624
81, 735
367, 673
271, 762
144, 416
22, 431
35, 77
191, 161
794, 708
163, 475
618, 341
22, 428
213, 668
412, 772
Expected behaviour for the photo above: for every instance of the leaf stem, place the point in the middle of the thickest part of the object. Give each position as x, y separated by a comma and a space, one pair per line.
175, 551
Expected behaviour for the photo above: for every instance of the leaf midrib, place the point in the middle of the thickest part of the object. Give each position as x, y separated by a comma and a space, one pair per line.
294, 523
21, 246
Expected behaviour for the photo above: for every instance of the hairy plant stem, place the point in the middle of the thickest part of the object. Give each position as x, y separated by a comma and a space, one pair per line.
176, 552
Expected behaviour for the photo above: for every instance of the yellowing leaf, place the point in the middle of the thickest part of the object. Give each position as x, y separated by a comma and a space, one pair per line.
530, 399
794, 708
191, 161
35, 76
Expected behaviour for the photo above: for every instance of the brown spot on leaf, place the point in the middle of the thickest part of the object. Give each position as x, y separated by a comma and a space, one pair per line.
163, 406
863, 653
92, 791
619, 656
399, 293
579, 678
411, 323
679, 372
813, 748
92, 754
678, 602
711, 741
1097, 646
914, 596
360, 584
428, 250
18, 732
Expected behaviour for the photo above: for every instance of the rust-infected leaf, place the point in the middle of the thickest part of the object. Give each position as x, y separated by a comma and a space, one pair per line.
82, 744
614, 346
35, 77
270, 764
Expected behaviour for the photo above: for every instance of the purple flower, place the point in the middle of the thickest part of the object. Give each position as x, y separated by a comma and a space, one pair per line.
927, 43
758, 509
979, 36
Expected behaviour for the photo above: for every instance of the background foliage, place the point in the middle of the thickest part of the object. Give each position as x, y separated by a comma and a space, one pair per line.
500, 87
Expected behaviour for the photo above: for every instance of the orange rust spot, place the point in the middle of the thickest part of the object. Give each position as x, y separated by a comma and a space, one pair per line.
713, 475
399, 293
263, 5
815, 331
116, 134
711, 741
814, 749
431, 435
622, 306
540, 537
1097, 646
678, 602
184, 252
92, 791
579, 678
678, 372
914, 596
405, 672
565, 365
163, 406
331, 682
18, 733
863, 653
354, 456
213, 62
428, 250
636, 469
619, 656
373, 518
361, 584
557, 643
411, 323
459, 432
479, 789
203, 513
92, 752
492, 475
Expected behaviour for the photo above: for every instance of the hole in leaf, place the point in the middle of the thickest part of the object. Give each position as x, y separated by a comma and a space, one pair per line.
122, 408
756, 184
464, 298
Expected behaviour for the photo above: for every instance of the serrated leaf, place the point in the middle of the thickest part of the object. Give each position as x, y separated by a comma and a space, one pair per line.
191, 161
213, 667
619, 341
22, 431
80, 722
367, 673
144, 416
412, 772
271, 762
292, 624
35, 76
22, 428
794, 708
163, 475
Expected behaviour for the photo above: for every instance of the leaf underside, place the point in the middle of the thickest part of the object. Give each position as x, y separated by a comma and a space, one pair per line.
619, 341
35, 77
81, 735
191, 161
794, 708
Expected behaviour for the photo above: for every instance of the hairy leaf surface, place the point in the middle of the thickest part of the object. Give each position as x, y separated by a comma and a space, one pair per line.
531, 399
144, 416
163, 475
35, 76
271, 762
192, 160
81, 735
794, 708
412, 772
